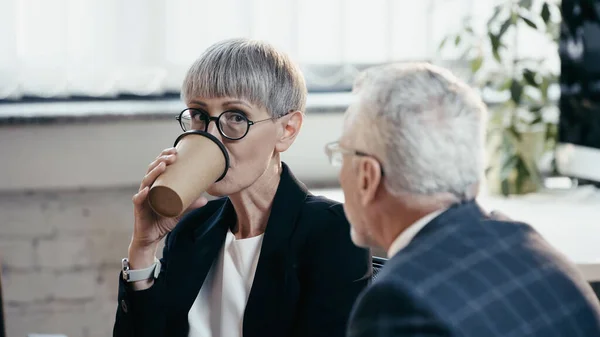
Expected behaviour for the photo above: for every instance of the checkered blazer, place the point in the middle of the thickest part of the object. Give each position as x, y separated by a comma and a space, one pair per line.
466, 274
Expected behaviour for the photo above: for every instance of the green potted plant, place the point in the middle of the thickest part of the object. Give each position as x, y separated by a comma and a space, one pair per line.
521, 129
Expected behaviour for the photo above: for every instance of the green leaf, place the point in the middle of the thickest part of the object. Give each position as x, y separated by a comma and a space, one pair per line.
505, 187
526, 4
551, 131
516, 91
529, 76
497, 56
537, 120
506, 85
536, 108
495, 42
544, 88
506, 147
513, 131
457, 40
443, 43
514, 17
505, 25
528, 22
545, 14
497, 10
476, 63
508, 166
523, 174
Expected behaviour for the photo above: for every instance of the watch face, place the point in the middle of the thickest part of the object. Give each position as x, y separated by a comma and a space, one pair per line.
125, 269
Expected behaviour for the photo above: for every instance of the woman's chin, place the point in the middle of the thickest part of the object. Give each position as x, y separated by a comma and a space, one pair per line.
220, 189
215, 192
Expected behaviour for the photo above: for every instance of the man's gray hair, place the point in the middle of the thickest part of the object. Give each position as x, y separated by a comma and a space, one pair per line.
427, 127
247, 69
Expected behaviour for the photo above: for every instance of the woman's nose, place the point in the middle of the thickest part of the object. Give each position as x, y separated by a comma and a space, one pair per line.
213, 130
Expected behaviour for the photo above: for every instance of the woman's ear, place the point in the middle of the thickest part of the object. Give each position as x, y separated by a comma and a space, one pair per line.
291, 124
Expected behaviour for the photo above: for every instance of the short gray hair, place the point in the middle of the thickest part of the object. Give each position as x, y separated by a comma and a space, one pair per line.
427, 128
248, 69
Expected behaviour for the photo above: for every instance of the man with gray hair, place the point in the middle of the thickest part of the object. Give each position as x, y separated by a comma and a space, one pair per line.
411, 158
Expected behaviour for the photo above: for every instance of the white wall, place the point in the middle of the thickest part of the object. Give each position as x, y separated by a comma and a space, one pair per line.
116, 153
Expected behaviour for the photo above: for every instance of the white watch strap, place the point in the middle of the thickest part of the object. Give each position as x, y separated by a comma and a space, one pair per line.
130, 275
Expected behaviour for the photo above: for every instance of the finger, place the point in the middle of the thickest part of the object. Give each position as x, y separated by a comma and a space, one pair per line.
168, 159
140, 197
168, 151
161, 157
152, 175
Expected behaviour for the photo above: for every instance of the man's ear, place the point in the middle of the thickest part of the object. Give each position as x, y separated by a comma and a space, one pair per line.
370, 178
291, 124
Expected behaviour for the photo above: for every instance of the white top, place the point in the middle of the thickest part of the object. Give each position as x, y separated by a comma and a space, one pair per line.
218, 310
409, 233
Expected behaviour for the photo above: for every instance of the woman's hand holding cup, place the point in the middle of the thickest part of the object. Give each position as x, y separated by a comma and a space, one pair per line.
150, 227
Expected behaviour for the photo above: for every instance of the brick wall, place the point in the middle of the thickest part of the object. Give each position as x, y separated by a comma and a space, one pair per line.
61, 256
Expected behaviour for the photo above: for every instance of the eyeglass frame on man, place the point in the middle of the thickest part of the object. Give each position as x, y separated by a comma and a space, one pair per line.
217, 119
335, 147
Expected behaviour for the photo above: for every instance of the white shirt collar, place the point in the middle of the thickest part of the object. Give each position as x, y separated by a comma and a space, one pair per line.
409, 233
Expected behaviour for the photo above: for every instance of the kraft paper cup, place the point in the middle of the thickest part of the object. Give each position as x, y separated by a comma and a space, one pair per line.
201, 161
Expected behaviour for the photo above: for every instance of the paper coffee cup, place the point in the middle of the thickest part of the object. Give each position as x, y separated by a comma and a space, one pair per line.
201, 161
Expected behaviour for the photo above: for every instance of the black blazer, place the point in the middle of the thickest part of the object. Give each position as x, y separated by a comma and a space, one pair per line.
466, 274
308, 275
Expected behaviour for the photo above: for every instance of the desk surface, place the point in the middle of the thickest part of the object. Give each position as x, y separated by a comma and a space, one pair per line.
568, 219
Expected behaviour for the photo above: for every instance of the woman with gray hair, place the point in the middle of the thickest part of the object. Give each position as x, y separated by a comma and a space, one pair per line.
265, 259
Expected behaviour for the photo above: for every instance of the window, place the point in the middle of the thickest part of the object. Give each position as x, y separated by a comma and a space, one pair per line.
106, 48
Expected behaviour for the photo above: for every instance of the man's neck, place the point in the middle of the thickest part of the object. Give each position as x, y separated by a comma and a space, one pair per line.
397, 215
393, 224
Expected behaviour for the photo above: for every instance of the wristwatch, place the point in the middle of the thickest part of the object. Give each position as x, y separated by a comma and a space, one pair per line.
130, 275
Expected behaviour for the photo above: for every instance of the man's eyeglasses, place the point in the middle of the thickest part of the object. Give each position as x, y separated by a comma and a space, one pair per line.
335, 152
232, 124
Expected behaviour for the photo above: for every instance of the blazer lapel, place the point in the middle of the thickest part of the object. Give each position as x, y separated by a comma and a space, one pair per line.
189, 264
275, 260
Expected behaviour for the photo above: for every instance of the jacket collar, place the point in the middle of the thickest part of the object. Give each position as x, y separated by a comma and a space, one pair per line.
276, 258
287, 204
456, 214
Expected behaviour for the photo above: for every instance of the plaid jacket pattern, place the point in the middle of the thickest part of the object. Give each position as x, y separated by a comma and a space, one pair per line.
466, 274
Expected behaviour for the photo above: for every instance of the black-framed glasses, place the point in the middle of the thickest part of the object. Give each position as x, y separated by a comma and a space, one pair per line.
232, 124
335, 153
